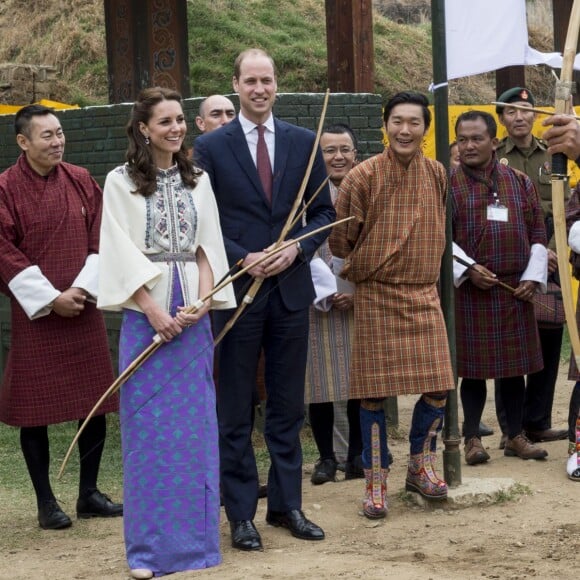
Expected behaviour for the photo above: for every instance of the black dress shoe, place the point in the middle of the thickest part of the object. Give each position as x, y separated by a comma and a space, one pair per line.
262, 491
51, 517
297, 523
245, 536
324, 471
354, 469
546, 435
98, 505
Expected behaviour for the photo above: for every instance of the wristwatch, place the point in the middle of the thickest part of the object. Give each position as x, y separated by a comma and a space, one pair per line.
300, 250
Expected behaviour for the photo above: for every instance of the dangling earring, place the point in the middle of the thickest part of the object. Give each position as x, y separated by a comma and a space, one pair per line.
146, 140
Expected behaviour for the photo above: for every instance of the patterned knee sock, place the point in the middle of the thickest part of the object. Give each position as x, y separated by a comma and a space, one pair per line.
367, 418
427, 409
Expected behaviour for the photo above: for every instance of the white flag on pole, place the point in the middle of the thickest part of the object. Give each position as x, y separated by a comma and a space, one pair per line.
485, 35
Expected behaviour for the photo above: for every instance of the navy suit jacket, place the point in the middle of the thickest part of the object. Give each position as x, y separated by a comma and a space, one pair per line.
249, 223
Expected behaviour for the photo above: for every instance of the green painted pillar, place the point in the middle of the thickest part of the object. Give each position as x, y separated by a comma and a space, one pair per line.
451, 435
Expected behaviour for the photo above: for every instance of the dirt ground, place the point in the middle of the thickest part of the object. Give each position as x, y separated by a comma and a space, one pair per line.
533, 535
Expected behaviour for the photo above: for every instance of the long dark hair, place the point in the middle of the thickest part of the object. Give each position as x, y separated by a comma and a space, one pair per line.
142, 169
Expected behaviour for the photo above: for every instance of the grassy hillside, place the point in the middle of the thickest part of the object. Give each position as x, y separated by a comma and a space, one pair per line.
70, 35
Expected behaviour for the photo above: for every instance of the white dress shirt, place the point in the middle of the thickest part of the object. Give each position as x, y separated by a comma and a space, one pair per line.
250, 130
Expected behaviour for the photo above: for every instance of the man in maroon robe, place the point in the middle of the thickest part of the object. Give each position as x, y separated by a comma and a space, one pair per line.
499, 234
58, 364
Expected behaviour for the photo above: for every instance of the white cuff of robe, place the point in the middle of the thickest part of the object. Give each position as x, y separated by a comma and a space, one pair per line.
459, 270
34, 292
88, 277
574, 237
537, 268
324, 284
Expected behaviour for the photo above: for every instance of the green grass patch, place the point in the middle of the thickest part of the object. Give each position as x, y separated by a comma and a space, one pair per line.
14, 476
17, 496
513, 493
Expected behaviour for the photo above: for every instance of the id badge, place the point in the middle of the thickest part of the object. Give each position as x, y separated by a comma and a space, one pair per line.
497, 212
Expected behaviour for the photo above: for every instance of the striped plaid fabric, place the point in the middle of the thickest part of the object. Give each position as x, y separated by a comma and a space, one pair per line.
329, 340
327, 370
496, 334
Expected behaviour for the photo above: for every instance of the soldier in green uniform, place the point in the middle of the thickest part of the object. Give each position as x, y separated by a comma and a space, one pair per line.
524, 151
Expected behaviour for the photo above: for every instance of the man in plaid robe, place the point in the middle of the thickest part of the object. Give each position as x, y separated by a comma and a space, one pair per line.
498, 229
392, 251
59, 364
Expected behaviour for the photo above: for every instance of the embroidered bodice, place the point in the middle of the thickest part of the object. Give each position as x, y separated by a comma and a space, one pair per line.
171, 214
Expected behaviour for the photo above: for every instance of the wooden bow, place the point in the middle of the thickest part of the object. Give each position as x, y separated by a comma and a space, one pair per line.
564, 89
290, 222
157, 342
501, 284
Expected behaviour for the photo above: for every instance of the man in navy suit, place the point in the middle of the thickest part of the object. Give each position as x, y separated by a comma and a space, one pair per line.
254, 205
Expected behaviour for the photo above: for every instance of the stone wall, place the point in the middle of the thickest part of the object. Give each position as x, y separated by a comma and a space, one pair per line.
95, 136
21, 84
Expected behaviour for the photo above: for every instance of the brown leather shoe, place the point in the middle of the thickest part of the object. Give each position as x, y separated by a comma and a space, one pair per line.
474, 452
547, 435
520, 446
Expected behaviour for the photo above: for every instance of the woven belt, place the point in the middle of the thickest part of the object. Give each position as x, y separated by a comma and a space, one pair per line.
172, 257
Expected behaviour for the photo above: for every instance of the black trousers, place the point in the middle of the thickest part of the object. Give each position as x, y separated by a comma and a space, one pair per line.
473, 394
321, 417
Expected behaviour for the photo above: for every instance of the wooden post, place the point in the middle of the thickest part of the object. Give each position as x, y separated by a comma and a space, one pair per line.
349, 41
146, 47
562, 10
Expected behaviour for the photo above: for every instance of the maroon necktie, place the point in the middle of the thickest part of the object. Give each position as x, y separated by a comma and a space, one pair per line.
263, 164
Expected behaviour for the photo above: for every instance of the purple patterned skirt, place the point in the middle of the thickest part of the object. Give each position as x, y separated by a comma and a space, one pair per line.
170, 448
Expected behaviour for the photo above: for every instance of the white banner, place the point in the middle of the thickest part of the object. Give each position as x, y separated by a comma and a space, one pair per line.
485, 35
